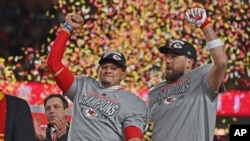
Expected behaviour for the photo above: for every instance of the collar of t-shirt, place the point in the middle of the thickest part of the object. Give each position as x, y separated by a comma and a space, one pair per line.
112, 88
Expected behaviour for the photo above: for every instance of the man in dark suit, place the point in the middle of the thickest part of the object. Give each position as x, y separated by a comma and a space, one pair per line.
16, 119
56, 111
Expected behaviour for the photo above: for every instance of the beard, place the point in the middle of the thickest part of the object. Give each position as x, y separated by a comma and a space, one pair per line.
175, 75
105, 83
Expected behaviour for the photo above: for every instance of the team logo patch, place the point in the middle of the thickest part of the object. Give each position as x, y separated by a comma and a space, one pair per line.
176, 45
169, 100
91, 112
116, 57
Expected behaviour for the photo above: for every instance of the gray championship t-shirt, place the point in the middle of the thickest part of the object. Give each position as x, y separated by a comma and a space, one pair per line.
184, 110
101, 114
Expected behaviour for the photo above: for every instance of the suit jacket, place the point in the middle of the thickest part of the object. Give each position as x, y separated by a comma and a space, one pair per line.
19, 121
48, 134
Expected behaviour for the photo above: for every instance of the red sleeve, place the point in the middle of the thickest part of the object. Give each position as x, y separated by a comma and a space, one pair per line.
132, 132
64, 78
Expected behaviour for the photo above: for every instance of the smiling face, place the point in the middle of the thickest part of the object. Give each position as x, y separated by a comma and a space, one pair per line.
110, 74
54, 110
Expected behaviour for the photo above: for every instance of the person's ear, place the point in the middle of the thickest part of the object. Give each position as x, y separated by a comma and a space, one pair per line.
98, 69
66, 110
123, 75
189, 64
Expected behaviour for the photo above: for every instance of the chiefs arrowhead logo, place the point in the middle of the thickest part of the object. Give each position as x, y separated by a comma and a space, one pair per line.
169, 100
90, 112
177, 45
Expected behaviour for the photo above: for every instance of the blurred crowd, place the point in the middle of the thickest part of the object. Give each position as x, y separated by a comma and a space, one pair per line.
24, 28
135, 27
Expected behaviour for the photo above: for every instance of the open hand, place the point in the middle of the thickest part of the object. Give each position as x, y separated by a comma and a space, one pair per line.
60, 127
40, 130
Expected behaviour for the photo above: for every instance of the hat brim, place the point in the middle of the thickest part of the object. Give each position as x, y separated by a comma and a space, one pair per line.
112, 61
165, 49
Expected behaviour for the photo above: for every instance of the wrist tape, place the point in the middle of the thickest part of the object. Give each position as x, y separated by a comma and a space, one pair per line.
69, 27
214, 43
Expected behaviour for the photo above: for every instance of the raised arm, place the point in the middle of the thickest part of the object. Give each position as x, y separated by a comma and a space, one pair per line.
215, 46
63, 77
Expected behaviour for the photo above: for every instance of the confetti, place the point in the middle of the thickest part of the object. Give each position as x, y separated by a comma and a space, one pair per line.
135, 28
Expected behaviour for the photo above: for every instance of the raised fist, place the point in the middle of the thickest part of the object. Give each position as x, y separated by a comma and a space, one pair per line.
74, 20
197, 16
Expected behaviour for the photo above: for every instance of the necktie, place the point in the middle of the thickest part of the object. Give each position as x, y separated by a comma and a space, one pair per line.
54, 136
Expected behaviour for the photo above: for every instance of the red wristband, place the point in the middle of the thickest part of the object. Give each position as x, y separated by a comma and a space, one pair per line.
132, 132
206, 22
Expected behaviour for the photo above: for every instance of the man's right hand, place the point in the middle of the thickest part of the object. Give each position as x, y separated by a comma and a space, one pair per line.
40, 131
74, 20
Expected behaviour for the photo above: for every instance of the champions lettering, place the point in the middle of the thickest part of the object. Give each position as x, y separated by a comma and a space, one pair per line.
178, 88
103, 105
